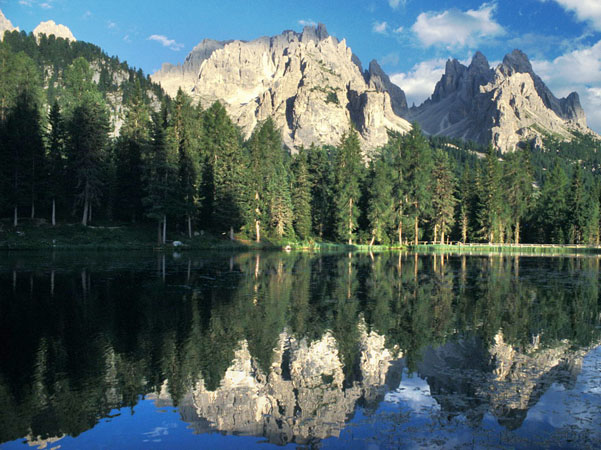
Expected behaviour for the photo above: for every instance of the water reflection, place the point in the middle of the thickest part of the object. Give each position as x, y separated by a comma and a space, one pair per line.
289, 347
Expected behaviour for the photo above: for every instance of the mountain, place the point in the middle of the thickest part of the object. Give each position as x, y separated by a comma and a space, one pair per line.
310, 83
50, 28
505, 105
5, 25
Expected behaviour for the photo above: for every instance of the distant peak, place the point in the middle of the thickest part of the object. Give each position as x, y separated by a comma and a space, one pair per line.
518, 61
51, 28
479, 62
5, 25
315, 33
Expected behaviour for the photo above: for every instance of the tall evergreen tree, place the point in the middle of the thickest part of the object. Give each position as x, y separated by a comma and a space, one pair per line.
552, 207
380, 207
321, 175
224, 181
467, 204
578, 208
159, 175
301, 196
443, 196
348, 172
491, 204
88, 134
56, 159
518, 185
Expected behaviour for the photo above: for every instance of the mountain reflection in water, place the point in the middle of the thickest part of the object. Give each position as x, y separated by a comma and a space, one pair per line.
296, 348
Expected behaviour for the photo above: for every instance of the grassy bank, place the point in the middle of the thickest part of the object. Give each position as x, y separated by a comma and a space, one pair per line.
531, 249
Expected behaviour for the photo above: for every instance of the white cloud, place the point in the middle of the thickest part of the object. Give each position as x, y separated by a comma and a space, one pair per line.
379, 27
394, 4
419, 82
307, 23
25, 2
454, 28
398, 30
391, 59
580, 71
585, 10
166, 42
87, 14
111, 25
45, 5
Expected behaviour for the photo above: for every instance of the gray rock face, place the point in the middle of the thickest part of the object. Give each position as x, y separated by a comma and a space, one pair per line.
310, 83
51, 28
5, 25
378, 80
505, 106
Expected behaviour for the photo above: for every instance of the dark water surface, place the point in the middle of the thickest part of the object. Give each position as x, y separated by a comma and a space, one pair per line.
271, 349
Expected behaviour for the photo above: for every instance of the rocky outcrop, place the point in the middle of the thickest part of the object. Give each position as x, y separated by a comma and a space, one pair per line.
5, 25
50, 28
310, 83
505, 106
378, 80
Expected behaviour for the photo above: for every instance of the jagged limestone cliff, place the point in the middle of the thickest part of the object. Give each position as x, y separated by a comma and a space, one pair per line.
505, 106
50, 28
310, 83
5, 25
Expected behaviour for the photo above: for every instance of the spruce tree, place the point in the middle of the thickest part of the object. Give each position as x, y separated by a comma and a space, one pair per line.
467, 204
321, 175
443, 196
380, 206
578, 208
552, 207
56, 159
518, 187
491, 204
301, 196
348, 171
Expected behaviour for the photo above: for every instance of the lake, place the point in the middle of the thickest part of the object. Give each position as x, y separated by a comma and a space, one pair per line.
384, 350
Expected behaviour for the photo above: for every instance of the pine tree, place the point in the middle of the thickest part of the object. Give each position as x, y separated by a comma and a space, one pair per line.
552, 207
578, 208
88, 135
348, 171
518, 184
443, 196
321, 176
159, 176
491, 205
380, 207
467, 204
56, 159
185, 127
417, 177
301, 196
393, 155
225, 190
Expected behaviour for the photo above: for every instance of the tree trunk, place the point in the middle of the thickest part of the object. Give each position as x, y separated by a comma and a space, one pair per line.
400, 233
90, 213
435, 233
189, 226
164, 229
257, 230
32, 209
84, 219
416, 231
159, 232
16, 217
442, 234
464, 229
517, 232
350, 222
231, 233
373, 238
53, 212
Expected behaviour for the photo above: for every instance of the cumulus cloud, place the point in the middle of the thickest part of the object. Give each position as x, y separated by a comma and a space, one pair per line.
580, 71
419, 82
398, 30
166, 42
585, 10
307, 23
454, 28
379, 27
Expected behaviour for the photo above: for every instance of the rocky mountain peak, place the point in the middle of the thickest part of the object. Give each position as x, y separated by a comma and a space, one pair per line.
517, 61
310, 83
5, 25
51, 28
450, 81
479, 63
314, 33
379, 81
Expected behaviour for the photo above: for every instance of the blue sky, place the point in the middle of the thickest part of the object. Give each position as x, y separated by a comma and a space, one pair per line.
411, 38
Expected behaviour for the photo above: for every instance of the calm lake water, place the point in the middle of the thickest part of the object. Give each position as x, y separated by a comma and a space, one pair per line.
272, 349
